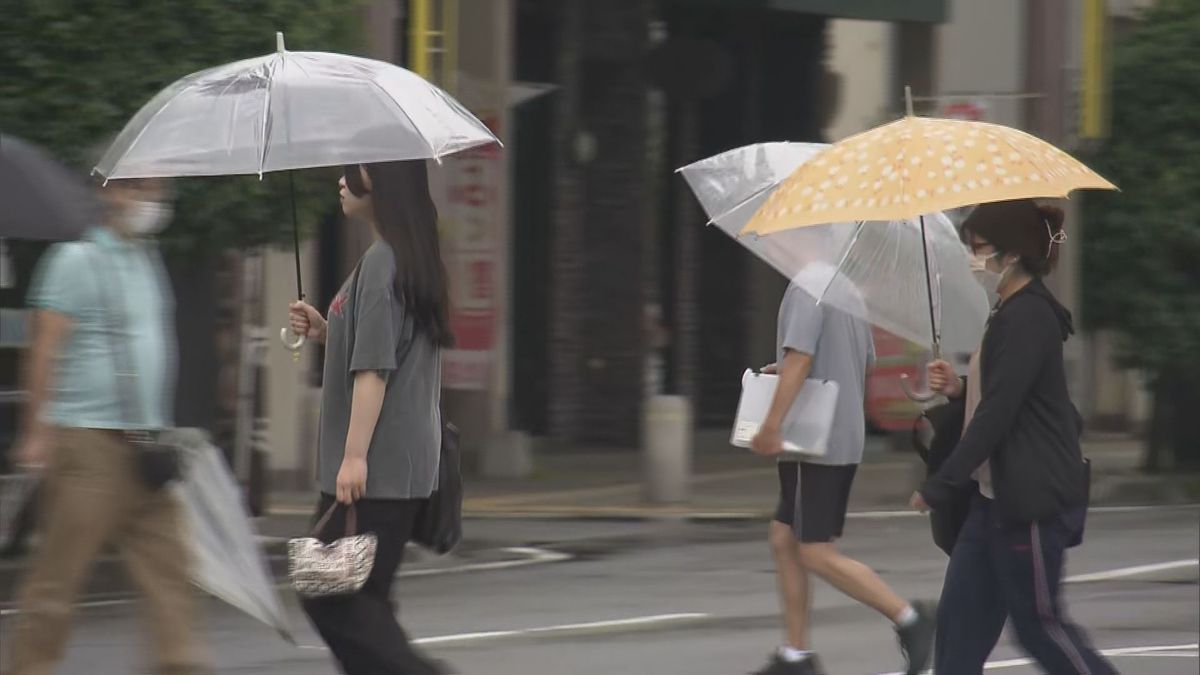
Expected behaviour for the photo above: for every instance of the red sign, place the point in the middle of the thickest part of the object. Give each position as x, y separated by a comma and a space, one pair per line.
887, 406
470, 225
964, 110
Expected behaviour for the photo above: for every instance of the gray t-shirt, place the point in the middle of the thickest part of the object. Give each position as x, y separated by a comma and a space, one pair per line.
369, 330
842, 350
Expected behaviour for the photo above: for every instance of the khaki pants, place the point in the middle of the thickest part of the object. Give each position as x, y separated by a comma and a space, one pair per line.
93, 497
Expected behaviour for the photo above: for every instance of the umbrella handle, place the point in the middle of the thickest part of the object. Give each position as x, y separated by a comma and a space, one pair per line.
295, 343
919, 397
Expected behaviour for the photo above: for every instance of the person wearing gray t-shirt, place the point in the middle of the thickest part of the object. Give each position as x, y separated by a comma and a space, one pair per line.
380, 430
816, 340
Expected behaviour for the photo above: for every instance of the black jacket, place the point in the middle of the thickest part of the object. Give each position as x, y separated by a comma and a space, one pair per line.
1025, 423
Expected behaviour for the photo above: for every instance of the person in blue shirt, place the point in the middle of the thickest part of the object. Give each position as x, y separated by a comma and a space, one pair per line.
100, 370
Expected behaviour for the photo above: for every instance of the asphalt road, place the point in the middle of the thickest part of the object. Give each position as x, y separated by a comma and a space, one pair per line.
698, 598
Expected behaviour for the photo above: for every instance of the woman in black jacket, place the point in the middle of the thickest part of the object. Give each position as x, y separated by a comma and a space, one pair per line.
1020, 443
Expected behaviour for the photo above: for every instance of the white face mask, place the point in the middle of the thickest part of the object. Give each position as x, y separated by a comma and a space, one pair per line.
987, 278
145, 219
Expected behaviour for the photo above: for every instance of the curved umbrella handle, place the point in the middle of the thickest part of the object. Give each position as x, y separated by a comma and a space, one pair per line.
295, 343
919, 397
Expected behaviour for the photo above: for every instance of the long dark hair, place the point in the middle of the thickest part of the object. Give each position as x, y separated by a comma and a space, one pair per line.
407, 219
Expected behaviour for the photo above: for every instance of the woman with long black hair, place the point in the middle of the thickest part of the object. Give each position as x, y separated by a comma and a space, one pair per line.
1020, 446
380, 430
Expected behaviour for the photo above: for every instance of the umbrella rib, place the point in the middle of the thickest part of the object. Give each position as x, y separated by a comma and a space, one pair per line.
146, 127
396, 104
229, 138
845, 256
262, 155
299, 65
772, 186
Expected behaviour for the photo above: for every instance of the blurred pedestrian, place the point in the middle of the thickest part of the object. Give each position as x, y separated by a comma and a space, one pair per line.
380, 435
100, 373
817, 340
1020, 442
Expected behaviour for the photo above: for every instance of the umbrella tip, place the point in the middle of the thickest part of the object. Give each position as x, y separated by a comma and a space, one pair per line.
279, 42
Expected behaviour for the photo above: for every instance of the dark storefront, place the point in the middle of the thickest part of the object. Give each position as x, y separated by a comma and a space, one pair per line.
603, 229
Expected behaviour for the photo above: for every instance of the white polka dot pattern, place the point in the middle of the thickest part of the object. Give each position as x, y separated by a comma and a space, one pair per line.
920, 165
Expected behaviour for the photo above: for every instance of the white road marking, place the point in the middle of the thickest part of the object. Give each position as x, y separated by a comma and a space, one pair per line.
1185, 651
531, 556
908, 513
561, 629
1138, 570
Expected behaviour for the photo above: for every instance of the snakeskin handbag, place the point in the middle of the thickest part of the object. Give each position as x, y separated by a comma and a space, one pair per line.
319, 570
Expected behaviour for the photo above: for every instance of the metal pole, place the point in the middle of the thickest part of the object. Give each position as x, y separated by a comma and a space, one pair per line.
296, 235
937, 339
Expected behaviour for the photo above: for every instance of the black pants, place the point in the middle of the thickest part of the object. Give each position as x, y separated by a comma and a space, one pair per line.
362, 630
1010, 571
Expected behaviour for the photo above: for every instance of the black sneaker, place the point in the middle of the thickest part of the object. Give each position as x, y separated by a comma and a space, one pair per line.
916, 639
779, 666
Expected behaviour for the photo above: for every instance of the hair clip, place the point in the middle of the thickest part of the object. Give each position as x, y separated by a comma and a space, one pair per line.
1059, 237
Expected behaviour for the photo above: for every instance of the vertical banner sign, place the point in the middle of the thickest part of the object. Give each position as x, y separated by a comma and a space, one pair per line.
470, 221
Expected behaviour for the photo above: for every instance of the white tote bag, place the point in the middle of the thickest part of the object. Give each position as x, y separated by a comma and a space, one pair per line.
806, 427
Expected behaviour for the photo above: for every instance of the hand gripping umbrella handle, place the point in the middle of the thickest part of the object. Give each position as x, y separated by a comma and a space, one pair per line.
292, 341
922, 396
918, 396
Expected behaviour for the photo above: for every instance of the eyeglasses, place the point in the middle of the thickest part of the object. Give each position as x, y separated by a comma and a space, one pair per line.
981, 248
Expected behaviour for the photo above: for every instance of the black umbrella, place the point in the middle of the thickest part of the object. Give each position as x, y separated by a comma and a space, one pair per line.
42, 198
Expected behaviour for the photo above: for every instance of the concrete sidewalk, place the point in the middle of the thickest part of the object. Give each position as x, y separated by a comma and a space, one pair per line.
730, 483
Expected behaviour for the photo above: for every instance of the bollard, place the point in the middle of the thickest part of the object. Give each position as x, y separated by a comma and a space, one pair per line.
667, 448
256, 500
509, 455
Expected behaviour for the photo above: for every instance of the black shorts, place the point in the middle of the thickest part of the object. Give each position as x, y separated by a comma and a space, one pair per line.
817, 511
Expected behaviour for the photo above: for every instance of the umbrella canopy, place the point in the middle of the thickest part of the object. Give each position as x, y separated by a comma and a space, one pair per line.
874, 270
42, 198
286, 111
291, 110
920, 165
227, 559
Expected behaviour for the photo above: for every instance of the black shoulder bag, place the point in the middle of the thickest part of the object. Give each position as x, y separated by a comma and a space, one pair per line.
439, 524
946, 420
158, 462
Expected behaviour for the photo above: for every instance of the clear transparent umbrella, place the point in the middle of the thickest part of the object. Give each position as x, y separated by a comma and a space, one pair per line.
916, 166
875, 270
227, 560
290, 110
286, 111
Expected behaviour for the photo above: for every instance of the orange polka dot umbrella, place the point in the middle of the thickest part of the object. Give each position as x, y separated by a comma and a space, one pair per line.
921, 165
915, 166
